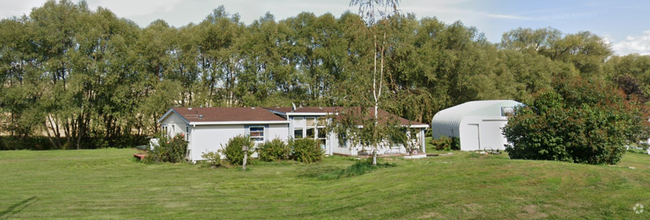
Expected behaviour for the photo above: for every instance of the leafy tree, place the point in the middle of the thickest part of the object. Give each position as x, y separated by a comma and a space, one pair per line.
530, 41
86, 78
220, 40
581, 121
377, 16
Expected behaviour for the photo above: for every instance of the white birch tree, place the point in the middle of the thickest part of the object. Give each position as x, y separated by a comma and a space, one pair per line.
376, 14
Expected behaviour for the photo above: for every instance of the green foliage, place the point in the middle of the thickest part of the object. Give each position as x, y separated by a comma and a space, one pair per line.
172, 150
306, 150
581, 121
446, 143
86, 78
213, 158
29, 143
357, 169
274, 150
233, 149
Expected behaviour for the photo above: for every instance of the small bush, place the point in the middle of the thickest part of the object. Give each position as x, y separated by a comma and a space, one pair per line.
233, 150
274, 150
446, 143
172, 150
306, 150
213, 158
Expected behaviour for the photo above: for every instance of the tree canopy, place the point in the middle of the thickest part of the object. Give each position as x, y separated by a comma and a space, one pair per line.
86, 78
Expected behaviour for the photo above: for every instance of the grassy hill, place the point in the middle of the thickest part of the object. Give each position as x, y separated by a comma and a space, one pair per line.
103, 184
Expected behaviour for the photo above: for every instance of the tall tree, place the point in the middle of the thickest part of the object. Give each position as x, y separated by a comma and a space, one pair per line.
377, 14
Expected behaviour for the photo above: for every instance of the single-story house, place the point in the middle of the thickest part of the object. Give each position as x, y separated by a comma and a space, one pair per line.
209, 129
478, 124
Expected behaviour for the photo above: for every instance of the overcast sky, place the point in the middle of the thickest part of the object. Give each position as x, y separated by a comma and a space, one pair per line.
624, 23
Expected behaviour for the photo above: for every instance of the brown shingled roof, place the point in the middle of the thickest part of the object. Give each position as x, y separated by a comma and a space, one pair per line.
223, 114
384, 116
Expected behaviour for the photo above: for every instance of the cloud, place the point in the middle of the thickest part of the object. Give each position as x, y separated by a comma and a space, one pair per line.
634, 44
131, 8
12, 8
508, 17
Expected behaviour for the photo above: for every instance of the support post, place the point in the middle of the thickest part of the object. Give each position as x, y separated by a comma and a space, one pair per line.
245, 149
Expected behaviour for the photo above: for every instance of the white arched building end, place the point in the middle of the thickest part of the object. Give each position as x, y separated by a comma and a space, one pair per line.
478, 124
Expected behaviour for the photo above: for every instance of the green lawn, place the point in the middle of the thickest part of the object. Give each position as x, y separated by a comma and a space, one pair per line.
108, 184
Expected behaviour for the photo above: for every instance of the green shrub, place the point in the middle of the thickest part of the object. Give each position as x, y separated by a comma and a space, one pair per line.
306, 150
274, 150
213, 158
446, 143
233, 149
580, 121
172, 150
26, 143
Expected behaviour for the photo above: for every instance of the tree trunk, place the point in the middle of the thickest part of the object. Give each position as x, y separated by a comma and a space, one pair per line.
245, 158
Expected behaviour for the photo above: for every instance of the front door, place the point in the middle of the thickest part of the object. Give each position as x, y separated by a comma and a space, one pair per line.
473, 139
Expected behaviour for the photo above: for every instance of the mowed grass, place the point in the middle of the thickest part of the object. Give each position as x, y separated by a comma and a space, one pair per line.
108, 184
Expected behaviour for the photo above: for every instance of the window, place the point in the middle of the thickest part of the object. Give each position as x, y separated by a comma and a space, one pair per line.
298, 127
322, 138
257, 133
310, 133
343, 140
297, 133
311, 121
311, 127
507, 111
164, 129
298, 121
321, 133
322, 121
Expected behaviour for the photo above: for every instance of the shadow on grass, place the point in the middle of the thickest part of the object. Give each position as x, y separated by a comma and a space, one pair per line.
16, 208
315, 171
357, 169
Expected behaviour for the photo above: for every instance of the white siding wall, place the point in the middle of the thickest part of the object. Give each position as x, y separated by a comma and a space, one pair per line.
280, 131
210, 138
175, 125
339, 149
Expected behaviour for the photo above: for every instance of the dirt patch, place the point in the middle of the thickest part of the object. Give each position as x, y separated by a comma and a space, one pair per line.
430, 215
530, 212
472, 208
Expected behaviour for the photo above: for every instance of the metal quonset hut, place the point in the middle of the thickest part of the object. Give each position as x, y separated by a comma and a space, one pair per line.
478, 124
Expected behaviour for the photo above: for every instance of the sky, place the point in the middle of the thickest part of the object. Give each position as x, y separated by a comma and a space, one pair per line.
622, 23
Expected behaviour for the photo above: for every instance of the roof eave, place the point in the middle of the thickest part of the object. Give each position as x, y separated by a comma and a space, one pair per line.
307, 113
171, 110
237, 122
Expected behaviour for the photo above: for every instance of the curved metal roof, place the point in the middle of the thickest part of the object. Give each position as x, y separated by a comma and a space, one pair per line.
448, 120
